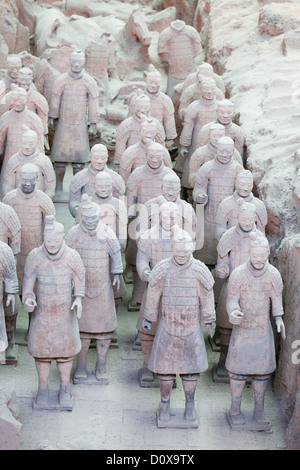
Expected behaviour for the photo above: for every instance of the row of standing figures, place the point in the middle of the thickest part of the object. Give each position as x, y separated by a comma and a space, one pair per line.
207, 252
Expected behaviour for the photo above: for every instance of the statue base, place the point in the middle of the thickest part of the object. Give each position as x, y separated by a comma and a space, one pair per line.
249, 424
177, 420
220, 375
10, 356
91, 379
137, 345
53, 403
215, 346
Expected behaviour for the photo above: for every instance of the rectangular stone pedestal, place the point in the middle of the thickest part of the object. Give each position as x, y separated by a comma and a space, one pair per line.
10, 358
91, 380
177, 420
249, 425
53, 403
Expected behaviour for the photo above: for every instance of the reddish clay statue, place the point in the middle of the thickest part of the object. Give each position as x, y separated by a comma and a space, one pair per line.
10, 233
196, 92
233, 250
252, 288
161, 105
11, 126
153, 245
214, 181
54, 273
143, 184
84, 181
178, 45
136, 155
29, 153
227, 212
32, 206
74, 102
9, 286
100, 251
13, 65
128, 132
207, 152
177, 287
35, 101
225, 111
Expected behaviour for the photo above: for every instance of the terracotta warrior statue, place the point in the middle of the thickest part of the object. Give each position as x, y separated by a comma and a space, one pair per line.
178, 45
29, 153
197, 114
12, 126
84, 180
113, 213
214, 181
128, 133
153, 245
31, 206
143, 184
100, 251
36, 102
207, 152
13, 65
195, 92
225, 111
253, 287
74, 103
54, 285
228, 209
233, 250
8, 290
170, 192
136, 155
10, 233
177, 288
162, 107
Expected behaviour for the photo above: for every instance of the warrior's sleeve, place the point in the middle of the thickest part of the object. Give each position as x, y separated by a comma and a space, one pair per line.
234, 286
132, 191
155, 291
143, 255
76, 264
122, 220
114, 252
49, 178
14, 230
224, 248
47, 205
201, 181
222, 218
205, 292
261, 215
42, 110
57, 90
126, 163
122, 135
75, 193
189, 124
9, 176
30, 275
169, 119
93, 99
276, 292
189, 218
10, 273
3, 131
71, 237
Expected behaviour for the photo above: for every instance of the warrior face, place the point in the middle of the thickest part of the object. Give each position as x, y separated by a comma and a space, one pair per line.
182, 250
171, 190
28, 182
13, 66
244, 185
208, 88
148, 132
77, 62
225, 150
53, 240
99, 157
25, 78
155, 158
90, 221
103, 185
168, 215
225, 113
153, 83
29, 143
19, 100
246, 219
259, 256
215, 135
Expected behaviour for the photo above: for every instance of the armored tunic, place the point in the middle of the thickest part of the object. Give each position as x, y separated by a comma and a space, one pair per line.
217, 180
204, 154
193, 93
135, 156
74, 102
101, 255
228, 210
11, 131
31, 210
183, 291
233, 250
8, 285
232, 130
162, 109
128, 133
251, 349
53, 280
46, 176
10, 228
84, 183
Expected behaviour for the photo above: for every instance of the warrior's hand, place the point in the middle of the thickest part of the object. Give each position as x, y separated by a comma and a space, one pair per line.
236, 317
280, 326
78, 305
30, 304
92, 129
210, 329
116, 281
146, 325
184, 151
50, 122
222, 272
201, 198
11, 300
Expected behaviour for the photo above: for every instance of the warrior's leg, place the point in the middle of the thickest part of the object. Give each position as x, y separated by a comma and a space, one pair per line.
60, 169
165, 385
102, 346
77, 167
147, 342
81, 371
236, 387
43, 369
64, 369
259, 387
189, 383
